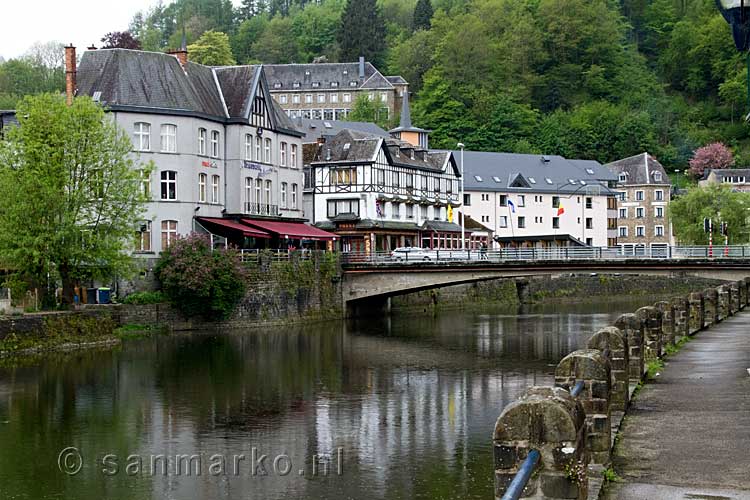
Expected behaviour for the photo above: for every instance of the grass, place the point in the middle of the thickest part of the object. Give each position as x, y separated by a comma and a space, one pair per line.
653, 368
610, 476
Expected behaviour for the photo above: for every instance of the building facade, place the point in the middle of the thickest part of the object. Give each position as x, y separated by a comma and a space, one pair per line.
737, 178
220, 146
644, 192
327, 91
535, 201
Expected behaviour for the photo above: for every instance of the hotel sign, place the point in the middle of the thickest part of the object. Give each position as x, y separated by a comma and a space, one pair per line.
261, 169
209, 164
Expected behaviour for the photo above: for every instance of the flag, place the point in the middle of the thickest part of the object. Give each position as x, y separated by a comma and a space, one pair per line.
560, 210
450, 213
512, 206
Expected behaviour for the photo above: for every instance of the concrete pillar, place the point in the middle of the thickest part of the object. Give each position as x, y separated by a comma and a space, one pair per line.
632, 329
611, 340
552, 422
652, 333
591, 367
667, 323
681, 317
734, 297
695, 304
711, 306
722, 303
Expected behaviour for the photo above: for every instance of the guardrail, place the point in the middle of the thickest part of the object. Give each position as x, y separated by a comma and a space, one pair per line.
278, 255
417, 255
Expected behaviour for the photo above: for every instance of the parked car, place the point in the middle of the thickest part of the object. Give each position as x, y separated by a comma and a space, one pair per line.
416, 254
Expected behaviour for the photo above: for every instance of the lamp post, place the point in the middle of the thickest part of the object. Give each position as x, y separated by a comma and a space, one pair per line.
463, 207
737, 14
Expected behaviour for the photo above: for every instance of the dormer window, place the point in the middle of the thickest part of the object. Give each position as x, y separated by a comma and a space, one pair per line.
590, 171
532, 180
657, 176
346, 72
296, 85
277, 85
477, 178
315, 85
353, 83
307, 73
334, 84
496, 179
548, 180
623, 177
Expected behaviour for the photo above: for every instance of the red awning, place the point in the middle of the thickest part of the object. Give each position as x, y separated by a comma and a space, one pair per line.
228, 225
291, 230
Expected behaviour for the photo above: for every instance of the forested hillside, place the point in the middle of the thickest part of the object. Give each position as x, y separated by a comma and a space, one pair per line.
593, 79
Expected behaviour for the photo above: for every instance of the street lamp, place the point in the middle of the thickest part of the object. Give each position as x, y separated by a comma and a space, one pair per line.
463, 208
737, 14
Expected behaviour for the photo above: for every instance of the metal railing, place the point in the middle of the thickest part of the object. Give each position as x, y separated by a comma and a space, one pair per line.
416, 255
261, 209
278, 255
526, 469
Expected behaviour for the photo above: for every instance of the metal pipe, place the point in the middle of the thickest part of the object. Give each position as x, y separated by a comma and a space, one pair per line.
515, 488
576, 390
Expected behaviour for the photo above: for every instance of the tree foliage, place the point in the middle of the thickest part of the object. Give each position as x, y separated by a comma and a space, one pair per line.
120, 40
710, 156
717, 202
362, 32
71, 192
422, 15
199, 280
212, 49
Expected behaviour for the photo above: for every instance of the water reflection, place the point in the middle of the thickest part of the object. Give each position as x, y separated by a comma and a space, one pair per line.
410, 400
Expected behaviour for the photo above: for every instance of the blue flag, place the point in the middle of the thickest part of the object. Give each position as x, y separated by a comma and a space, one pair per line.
512, 206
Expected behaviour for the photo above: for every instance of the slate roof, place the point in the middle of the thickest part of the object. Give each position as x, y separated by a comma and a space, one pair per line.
511, 172
601, 172
397, 80
137, 80
405, 118
720, 172
282, 77
639, 169
314, 129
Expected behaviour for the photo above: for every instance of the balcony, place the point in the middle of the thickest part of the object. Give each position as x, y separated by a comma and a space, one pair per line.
261, 209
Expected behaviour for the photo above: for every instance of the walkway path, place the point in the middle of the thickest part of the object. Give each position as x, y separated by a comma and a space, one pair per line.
687, 434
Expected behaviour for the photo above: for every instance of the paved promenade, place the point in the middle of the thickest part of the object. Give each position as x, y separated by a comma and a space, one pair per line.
687, 435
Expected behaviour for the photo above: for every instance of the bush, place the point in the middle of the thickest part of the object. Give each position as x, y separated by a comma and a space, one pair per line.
200, 281
141, 298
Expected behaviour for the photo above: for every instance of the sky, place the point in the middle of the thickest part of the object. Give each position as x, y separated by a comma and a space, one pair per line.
81, 22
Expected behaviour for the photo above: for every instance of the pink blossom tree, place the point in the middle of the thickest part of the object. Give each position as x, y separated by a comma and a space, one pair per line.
710, 156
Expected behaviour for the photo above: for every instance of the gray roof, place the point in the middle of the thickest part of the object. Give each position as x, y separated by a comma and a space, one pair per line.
639, 170
600, 171
405, 118
282, 77
721, 172
397, 80
314, 129
511, 172
137, 80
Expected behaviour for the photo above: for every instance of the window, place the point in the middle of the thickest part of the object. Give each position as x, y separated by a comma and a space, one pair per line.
202, 181
623, 196
589, 242
371, 96
639, 196
282, 99
396, 211
657, 176
142, 136
521, 222
293, 157
146, 184
294, 196
639, 212
623, 213
282, 154
169, 138
321, 98
268, 192
202, 138
258, 190
503, 200
257, 149
267, 155
623, 232
555, 202
339, 207
334, 98
467, 200
283, 194
143, 238
215, 143
396, 179
409, 211
423, 212
308, 99
344, 176
556, 222
380, 177
658, 230
502, 221
659, 212
424, 183
589, 223
347, 98
248, 193
248, 146
623, 177
521, 200
383, 97
295, 98
168, 233
589, 202
169, 185
659, 195
640, 231
215, 179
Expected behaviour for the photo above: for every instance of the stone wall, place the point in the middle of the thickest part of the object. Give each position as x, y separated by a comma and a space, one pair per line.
500, 292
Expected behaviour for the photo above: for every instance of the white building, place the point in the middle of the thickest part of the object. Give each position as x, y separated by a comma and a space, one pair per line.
540, 201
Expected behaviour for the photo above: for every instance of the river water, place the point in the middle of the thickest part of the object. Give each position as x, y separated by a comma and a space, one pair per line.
396, 408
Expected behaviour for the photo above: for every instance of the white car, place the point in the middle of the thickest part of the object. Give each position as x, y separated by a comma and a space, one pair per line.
415, 254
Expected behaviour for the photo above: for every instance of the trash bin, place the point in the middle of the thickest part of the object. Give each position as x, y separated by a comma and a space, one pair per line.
91, 295
104, 295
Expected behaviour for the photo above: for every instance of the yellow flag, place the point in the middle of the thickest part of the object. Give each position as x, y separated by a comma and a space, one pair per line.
450, 213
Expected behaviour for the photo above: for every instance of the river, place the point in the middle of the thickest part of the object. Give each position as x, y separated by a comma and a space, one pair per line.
392, 408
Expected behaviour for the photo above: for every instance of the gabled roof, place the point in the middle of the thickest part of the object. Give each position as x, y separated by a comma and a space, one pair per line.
639, 170
396, 80
283, 77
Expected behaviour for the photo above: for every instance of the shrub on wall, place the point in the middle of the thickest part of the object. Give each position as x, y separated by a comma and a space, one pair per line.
201, 281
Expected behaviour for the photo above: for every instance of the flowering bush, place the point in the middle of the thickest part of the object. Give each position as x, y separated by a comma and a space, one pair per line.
199, 281
714, 155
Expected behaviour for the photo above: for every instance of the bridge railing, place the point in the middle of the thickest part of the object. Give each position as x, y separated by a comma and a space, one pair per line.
419, 255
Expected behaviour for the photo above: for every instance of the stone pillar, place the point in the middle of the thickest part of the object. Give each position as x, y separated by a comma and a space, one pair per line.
743, 292
721, 295
552, 422
632, 329
681, 317
711, 306
591, 367
695, 304
611, 340
667, 323
652, 333
734, 297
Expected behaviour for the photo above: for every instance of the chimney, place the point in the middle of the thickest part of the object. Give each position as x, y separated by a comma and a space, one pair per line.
91, 47
362, 67
70, 73
182, 53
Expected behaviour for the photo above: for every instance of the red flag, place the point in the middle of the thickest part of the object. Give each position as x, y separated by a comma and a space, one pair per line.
560, 210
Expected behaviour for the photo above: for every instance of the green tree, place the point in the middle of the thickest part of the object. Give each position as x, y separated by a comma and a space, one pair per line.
422, 15
366, 110
71, 192
212, 49
717, 202
274, 45
247, 34
362, 32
